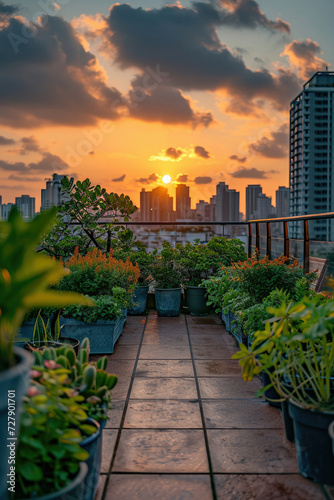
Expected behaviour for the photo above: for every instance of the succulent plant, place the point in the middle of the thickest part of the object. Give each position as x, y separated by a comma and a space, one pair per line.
87, 379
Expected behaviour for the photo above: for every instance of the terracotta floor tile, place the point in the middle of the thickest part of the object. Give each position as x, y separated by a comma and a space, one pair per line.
159, 487
164, 388
251, 451
157, 451
165, 368
261, 487
228, 387
163, 415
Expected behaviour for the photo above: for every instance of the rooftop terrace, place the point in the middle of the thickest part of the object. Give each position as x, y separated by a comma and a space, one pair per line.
185, 426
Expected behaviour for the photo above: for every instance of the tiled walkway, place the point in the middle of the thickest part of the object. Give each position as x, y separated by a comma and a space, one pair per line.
185, 426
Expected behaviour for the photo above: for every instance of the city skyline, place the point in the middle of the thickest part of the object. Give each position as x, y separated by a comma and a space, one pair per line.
158, 205
110, 105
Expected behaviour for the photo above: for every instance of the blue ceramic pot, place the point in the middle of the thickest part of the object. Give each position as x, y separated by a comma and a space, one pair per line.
139, 297
168, 301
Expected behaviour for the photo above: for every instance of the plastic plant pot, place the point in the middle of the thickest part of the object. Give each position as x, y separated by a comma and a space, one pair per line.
196, 300
313, 443
140, 299
168, 301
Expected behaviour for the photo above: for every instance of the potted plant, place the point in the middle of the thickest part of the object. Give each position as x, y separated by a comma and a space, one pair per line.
102, 325
167, 275
144, 260
297, 351
92, 384
24, 280
200, 262
48, 335
53, 427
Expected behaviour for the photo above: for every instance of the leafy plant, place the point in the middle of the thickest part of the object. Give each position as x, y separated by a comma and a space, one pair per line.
25, 277
260, 277
216, 289
85, 206
49, 331
166, 271
97, 274
53, 424
107, 308
296, 349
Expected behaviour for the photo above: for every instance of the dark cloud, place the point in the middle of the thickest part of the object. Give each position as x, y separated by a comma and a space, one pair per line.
203, 180
50, 77
252, 173
238, 158
148, 180
202, 152
247, 14
7, 10
167, 105
193, 58
29, 145
21, 178
173, 153
48, 164
276, 146
182, 178
4, 141
119, 179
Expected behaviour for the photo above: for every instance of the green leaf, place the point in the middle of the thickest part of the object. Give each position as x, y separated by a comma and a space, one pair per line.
31, 472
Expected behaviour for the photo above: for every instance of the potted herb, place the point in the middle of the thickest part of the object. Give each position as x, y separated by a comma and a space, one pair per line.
24, 280
167, 275
296, 350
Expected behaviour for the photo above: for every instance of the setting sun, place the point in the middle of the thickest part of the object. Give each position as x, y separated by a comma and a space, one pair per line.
166, 179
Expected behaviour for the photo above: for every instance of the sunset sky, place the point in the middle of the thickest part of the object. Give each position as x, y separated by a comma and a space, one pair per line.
124, 93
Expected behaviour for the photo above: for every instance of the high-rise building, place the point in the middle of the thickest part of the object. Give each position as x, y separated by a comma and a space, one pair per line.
282, 202
0, 201
5, 210
264, 208
311, 155
26, 206
156, 205
227, 207
51, 195
202, 210
227, 203
252, 192
183, 202
213, 208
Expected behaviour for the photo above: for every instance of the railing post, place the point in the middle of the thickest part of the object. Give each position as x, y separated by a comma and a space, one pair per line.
249, 240
268, 240
257, 244
286, 239
175, 236
306, 247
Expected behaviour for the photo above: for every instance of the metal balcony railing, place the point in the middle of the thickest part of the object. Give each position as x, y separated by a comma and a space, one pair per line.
306, 219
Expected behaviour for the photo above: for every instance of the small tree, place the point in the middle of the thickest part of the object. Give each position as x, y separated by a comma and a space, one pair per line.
81, 218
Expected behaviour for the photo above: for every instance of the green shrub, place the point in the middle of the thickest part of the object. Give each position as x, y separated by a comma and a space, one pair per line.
108, 308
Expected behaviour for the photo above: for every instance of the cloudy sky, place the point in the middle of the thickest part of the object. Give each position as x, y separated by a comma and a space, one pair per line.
124, 93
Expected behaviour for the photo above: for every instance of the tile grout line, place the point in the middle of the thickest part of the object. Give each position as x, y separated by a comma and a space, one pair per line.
103, 496
206, 439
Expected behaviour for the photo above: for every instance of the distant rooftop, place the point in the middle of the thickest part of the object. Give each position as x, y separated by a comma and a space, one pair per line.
321, 79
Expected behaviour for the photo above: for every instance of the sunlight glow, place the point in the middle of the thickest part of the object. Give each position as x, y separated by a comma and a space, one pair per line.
166, 179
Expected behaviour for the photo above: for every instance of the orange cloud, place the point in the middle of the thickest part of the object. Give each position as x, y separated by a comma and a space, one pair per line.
303, 55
